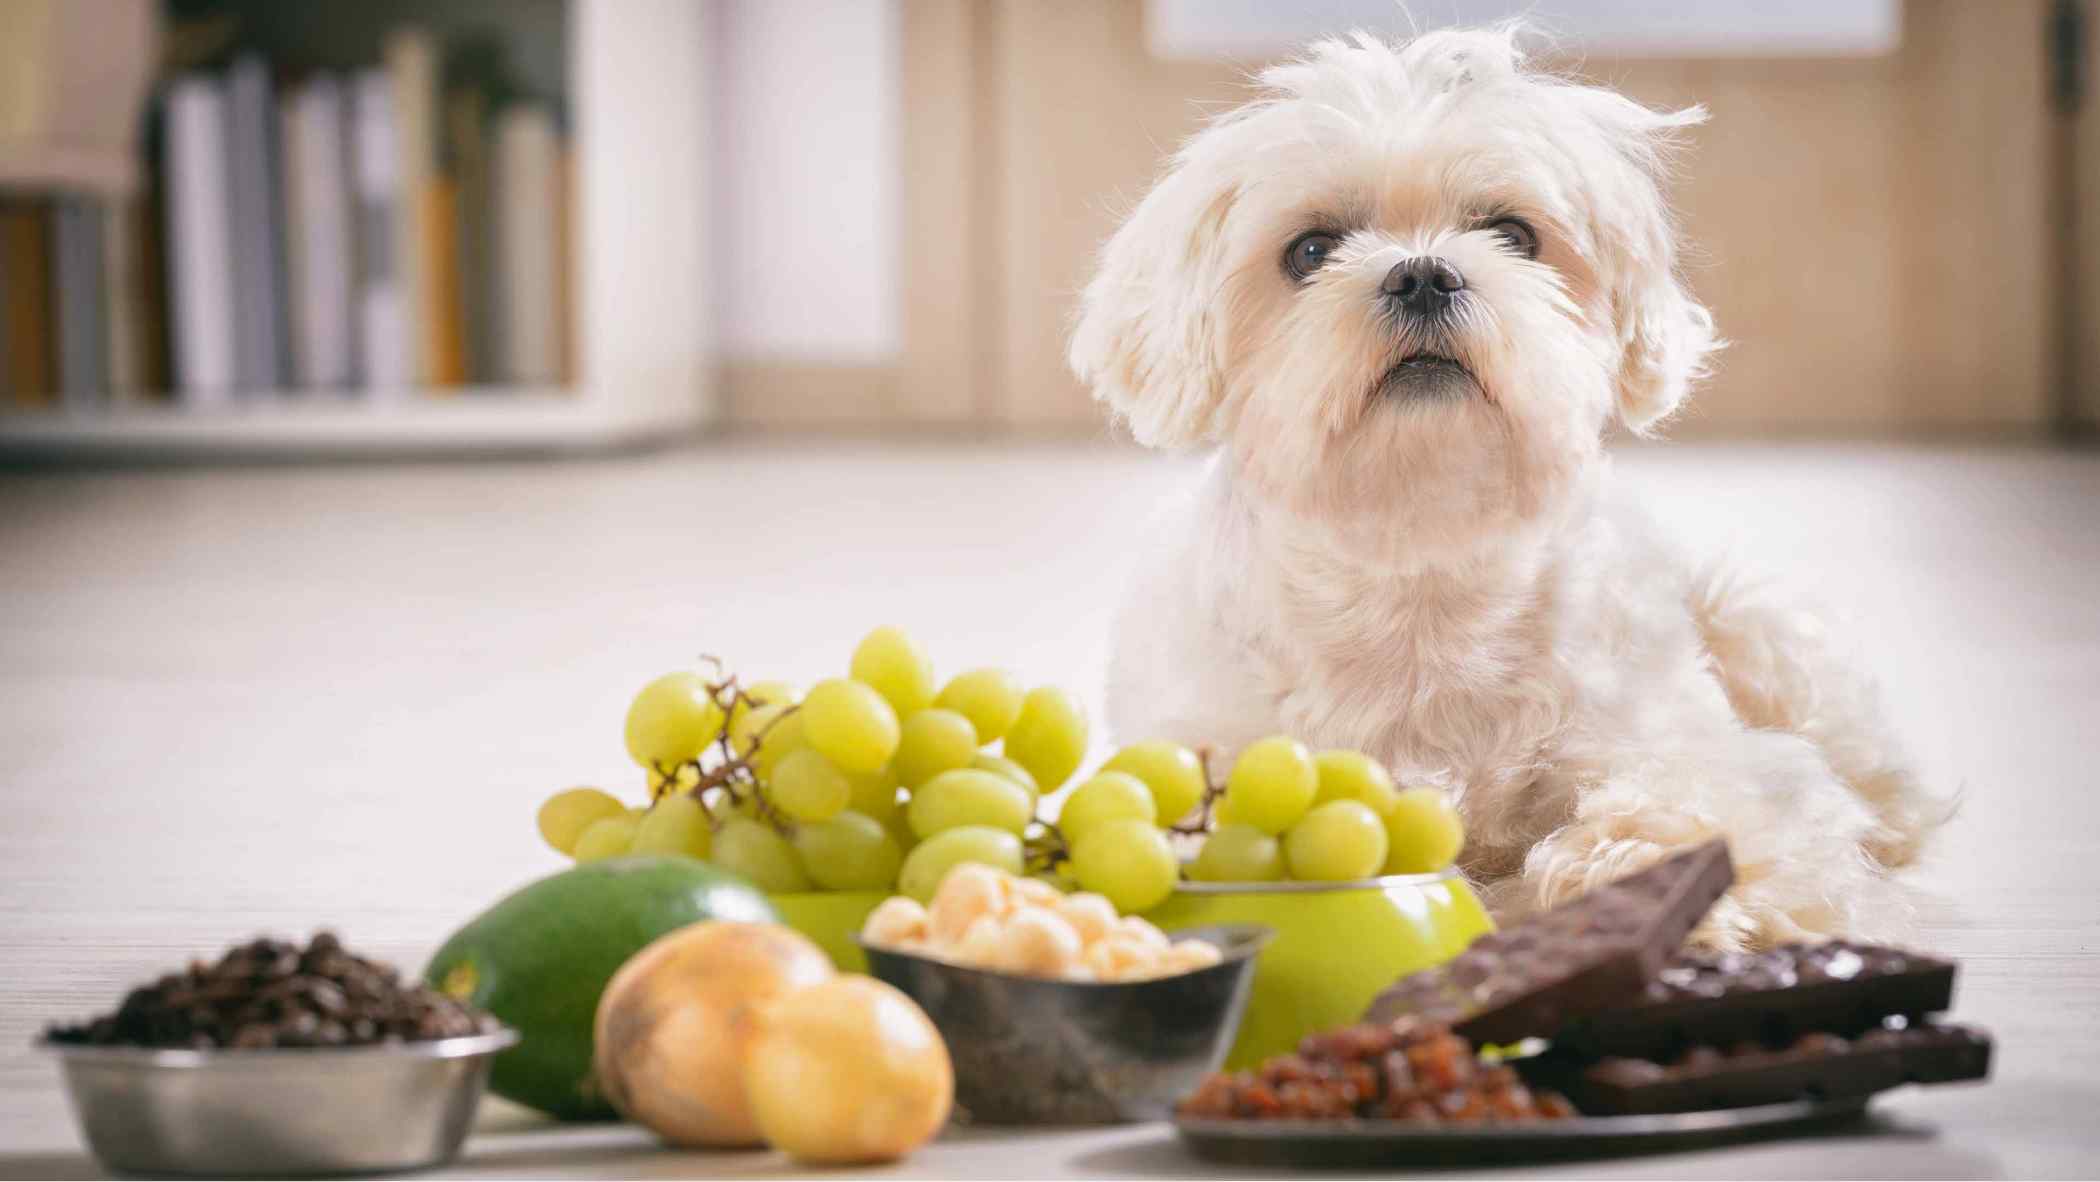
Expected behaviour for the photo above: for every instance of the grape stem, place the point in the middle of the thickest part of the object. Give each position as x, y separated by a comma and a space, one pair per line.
1213, 792
1046, 851
733, 774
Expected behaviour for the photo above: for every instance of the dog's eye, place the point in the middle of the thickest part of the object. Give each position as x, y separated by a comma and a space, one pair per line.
1519, 234
1308, 253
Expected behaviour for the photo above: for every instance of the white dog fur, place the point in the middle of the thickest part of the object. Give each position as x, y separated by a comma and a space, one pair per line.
1453, 583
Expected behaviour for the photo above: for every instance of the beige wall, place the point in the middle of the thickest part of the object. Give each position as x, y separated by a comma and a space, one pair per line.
1876, 235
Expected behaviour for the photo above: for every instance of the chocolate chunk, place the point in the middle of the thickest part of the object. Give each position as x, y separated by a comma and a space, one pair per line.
1585, 956
1768, 997
1819, 1065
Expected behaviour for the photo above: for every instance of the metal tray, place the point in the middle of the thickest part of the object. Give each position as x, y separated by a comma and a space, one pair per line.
1400, 1143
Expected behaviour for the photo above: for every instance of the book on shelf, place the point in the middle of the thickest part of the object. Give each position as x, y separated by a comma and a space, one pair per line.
412, 68
527, 269
467, 162
76, 299
318, 244
258, 235
199, 238
122, 335
383, 346
26, 368
444, 344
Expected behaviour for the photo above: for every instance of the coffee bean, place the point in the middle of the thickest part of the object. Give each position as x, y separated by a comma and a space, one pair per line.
269, 993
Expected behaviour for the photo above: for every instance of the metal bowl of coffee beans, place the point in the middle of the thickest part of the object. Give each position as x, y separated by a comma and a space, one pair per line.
279, 1060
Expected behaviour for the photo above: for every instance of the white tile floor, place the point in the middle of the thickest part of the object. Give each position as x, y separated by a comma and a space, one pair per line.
270, 698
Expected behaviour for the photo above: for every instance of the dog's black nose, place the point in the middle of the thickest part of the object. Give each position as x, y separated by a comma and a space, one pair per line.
1423, 286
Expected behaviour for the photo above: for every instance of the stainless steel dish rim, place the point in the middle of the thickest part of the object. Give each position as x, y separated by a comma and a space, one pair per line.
1249, 940
462, 1047
1294, 887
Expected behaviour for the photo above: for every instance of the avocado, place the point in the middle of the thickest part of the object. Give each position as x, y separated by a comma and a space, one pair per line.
540, 957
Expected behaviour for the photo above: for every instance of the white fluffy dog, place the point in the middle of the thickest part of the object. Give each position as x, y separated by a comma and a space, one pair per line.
1406, 292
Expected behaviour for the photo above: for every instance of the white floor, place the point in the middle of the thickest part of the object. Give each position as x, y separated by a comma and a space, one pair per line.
275, 698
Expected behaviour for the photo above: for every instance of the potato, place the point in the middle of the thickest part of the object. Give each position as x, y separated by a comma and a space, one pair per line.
673, 1022
847, 1071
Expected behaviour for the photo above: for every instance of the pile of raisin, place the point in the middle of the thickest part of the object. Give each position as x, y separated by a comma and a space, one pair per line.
1409, 1070
270, 993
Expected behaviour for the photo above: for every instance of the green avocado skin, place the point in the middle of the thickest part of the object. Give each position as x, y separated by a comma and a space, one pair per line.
540, 958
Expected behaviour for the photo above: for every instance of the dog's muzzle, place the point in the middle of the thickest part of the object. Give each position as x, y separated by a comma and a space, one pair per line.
1423, 288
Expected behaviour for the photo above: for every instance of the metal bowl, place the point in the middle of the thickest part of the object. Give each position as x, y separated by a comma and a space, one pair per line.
1034, 1051
278, 1112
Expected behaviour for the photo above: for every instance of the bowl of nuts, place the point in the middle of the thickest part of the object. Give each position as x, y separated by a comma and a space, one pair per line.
1055, 1009
278, 1060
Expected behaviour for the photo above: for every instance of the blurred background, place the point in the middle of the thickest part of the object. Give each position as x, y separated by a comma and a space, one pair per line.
236, 227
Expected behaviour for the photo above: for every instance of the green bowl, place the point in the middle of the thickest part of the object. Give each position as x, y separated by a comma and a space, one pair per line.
1336, 946
832, 919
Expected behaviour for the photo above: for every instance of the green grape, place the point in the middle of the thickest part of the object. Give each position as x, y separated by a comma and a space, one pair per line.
999, 765
1129, 861
806, 787
1339, 841
1423, 832
748, 723
771, 697
672, 720
930, 742
1272, 784
1352, 775
1170, 770
1048, 737
773, 693
606, 837
674, 825
1064, 883
989, 698
896, 667
927, 864
874, 794
566, 814
850, 724
754, 850
1108, 796
968, 797
900, 831
782, 735
1238, 853
850, 852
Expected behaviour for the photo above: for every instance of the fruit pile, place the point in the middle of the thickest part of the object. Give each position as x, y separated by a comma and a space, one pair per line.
886, 780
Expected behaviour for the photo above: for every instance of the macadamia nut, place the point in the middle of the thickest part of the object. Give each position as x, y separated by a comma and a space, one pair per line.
985, 918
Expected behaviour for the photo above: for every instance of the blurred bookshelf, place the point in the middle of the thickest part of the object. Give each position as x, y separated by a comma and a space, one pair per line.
241, 227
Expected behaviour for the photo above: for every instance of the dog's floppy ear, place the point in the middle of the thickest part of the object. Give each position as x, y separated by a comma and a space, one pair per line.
1665, 335
1151, 334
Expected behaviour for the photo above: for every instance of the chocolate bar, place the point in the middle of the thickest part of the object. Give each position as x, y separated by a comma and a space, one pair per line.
1722, 999
1813, 1066
1536, 976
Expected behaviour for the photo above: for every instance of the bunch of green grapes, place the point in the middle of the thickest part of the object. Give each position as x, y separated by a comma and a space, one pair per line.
1335, 816
868, 781
885, 779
